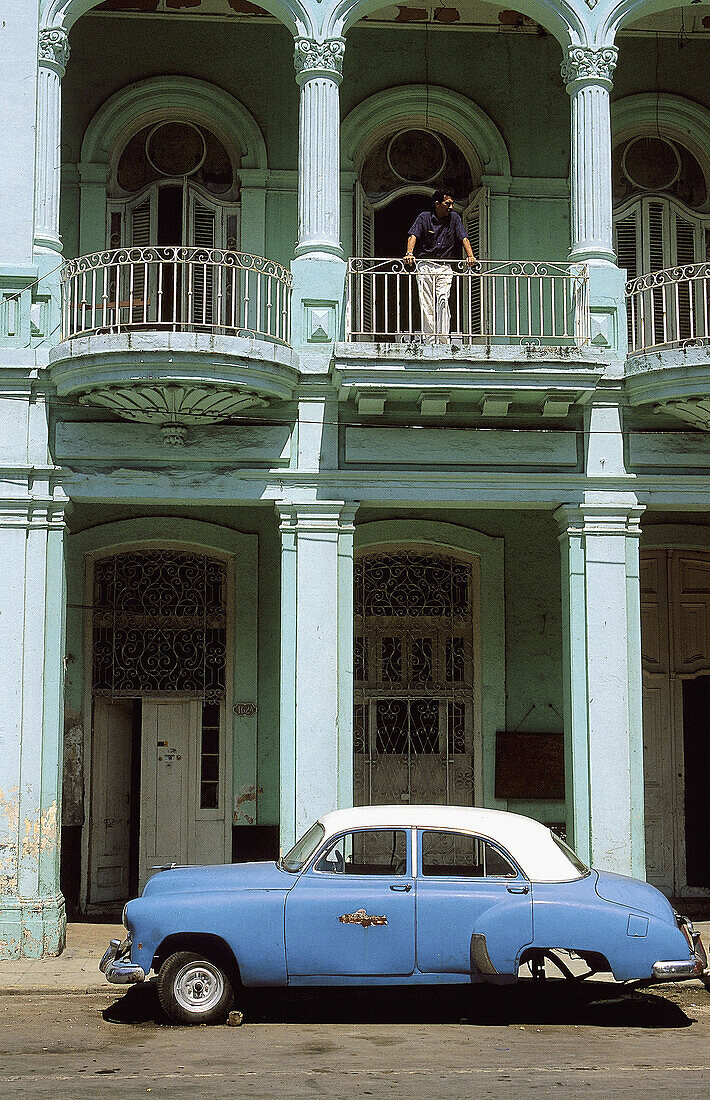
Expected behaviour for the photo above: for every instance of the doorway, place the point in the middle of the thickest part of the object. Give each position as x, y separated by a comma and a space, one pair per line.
158, 792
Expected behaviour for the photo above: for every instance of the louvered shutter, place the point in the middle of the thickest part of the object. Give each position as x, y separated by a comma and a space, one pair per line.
361, 282
201, 270
685, 234
476, 303
140, 219
627, 245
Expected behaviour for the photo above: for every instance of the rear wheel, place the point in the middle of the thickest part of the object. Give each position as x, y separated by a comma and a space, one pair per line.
193, 989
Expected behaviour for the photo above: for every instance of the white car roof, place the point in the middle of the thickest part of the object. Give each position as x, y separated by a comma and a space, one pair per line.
529, 842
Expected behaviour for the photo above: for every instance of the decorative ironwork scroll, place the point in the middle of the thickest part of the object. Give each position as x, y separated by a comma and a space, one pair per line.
159, 625
414, 679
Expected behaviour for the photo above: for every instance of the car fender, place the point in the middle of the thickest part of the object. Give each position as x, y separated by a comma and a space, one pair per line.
250, 922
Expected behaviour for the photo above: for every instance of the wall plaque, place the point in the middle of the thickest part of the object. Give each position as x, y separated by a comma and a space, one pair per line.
244, 710
530, 765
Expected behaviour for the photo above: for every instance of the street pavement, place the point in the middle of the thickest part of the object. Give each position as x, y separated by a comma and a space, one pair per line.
65, 1032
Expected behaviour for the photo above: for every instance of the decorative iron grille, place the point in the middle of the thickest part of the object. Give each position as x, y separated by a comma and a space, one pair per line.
414, 679
159, 625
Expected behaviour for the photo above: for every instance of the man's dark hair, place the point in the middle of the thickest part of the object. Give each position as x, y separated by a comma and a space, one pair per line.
438, 196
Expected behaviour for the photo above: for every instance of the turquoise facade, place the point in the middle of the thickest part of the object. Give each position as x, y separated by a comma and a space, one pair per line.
202, 368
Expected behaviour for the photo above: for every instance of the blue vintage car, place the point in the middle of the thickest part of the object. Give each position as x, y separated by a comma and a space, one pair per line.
391, 895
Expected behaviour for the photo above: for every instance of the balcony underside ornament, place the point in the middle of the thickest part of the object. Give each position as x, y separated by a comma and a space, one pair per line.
173, 407
692, 410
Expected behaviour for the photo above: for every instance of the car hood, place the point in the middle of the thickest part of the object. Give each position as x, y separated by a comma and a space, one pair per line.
229, 876
634, 894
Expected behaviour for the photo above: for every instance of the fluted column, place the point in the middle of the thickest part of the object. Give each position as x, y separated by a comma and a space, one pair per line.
318, 74
587, 74
53, 56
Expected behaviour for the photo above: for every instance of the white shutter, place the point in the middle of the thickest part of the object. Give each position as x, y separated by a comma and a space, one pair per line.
202, 235
140, 225
361, 283
476, 299
627, 245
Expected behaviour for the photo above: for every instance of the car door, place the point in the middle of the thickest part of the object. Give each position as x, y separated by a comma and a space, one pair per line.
467, 886
351, 913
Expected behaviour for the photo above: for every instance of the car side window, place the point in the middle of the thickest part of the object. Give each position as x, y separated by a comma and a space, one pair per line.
369, 852
447, 854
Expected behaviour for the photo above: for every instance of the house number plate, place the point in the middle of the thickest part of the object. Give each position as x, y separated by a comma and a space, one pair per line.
244, 710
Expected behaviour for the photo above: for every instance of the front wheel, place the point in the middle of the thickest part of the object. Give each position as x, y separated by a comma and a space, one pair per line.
193, 989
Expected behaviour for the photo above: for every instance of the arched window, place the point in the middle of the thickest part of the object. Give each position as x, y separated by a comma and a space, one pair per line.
415, 719
396, 182
174, 183
661, 216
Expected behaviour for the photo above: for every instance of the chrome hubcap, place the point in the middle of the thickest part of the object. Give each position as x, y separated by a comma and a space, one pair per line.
198, 987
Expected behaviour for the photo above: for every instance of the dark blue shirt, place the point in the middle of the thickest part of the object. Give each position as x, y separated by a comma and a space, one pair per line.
438, 240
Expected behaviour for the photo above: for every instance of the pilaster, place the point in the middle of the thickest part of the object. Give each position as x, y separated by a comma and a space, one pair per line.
602, 680
316, 662
32, 603
587, 74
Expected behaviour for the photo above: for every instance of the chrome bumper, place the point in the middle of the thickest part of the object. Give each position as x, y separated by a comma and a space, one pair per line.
116, 964
679, 971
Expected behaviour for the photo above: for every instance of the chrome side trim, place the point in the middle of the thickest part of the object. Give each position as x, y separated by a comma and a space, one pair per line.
116, 964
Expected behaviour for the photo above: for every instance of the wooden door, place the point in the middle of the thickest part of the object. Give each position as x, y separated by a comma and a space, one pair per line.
109, 835
169, 738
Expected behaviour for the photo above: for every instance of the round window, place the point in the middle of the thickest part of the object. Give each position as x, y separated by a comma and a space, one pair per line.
651, 163
175, 148
416, 156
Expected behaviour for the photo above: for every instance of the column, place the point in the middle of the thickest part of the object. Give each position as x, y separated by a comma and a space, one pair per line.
319, 67
316, 662
32, 609
587, 74
602, 680
53, 56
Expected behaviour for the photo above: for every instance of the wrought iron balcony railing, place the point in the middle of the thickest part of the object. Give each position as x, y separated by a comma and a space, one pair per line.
502, 302
669, 309
176, 289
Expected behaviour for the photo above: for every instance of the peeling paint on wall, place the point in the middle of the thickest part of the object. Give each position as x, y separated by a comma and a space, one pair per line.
245, 805
73, 771
40, 833
9, 819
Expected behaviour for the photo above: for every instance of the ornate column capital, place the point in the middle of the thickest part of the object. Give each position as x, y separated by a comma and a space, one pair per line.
314, 58
54, 48
585, 64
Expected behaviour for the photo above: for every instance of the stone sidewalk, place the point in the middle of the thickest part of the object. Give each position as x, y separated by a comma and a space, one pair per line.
77, 970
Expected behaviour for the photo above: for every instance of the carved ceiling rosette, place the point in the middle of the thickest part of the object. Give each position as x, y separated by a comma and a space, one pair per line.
584, 63
314, 58
54, 48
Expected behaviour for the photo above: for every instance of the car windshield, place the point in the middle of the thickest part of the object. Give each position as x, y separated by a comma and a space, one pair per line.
303, 849
574, 859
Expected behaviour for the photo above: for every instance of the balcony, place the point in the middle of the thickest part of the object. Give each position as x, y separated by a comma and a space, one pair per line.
510, 332
175, 335
668, 368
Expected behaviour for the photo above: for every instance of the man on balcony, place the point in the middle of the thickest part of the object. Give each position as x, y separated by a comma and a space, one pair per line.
437, 235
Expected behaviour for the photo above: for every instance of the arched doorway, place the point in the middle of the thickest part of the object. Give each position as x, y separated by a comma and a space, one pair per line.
416, 711
160, 750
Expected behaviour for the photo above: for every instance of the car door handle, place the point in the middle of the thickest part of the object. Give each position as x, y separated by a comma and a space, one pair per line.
403, 886
523, 889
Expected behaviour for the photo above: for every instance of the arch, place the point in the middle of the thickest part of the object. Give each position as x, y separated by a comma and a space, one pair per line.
621, 13
64, 13
678, 118
476, 135
132, 107
556, 16
464, 542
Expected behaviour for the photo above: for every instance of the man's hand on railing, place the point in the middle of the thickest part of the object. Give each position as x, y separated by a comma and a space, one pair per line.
409, 258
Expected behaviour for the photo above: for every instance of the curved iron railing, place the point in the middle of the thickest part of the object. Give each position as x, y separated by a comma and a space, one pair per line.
507, 302
669, 308
176, 289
